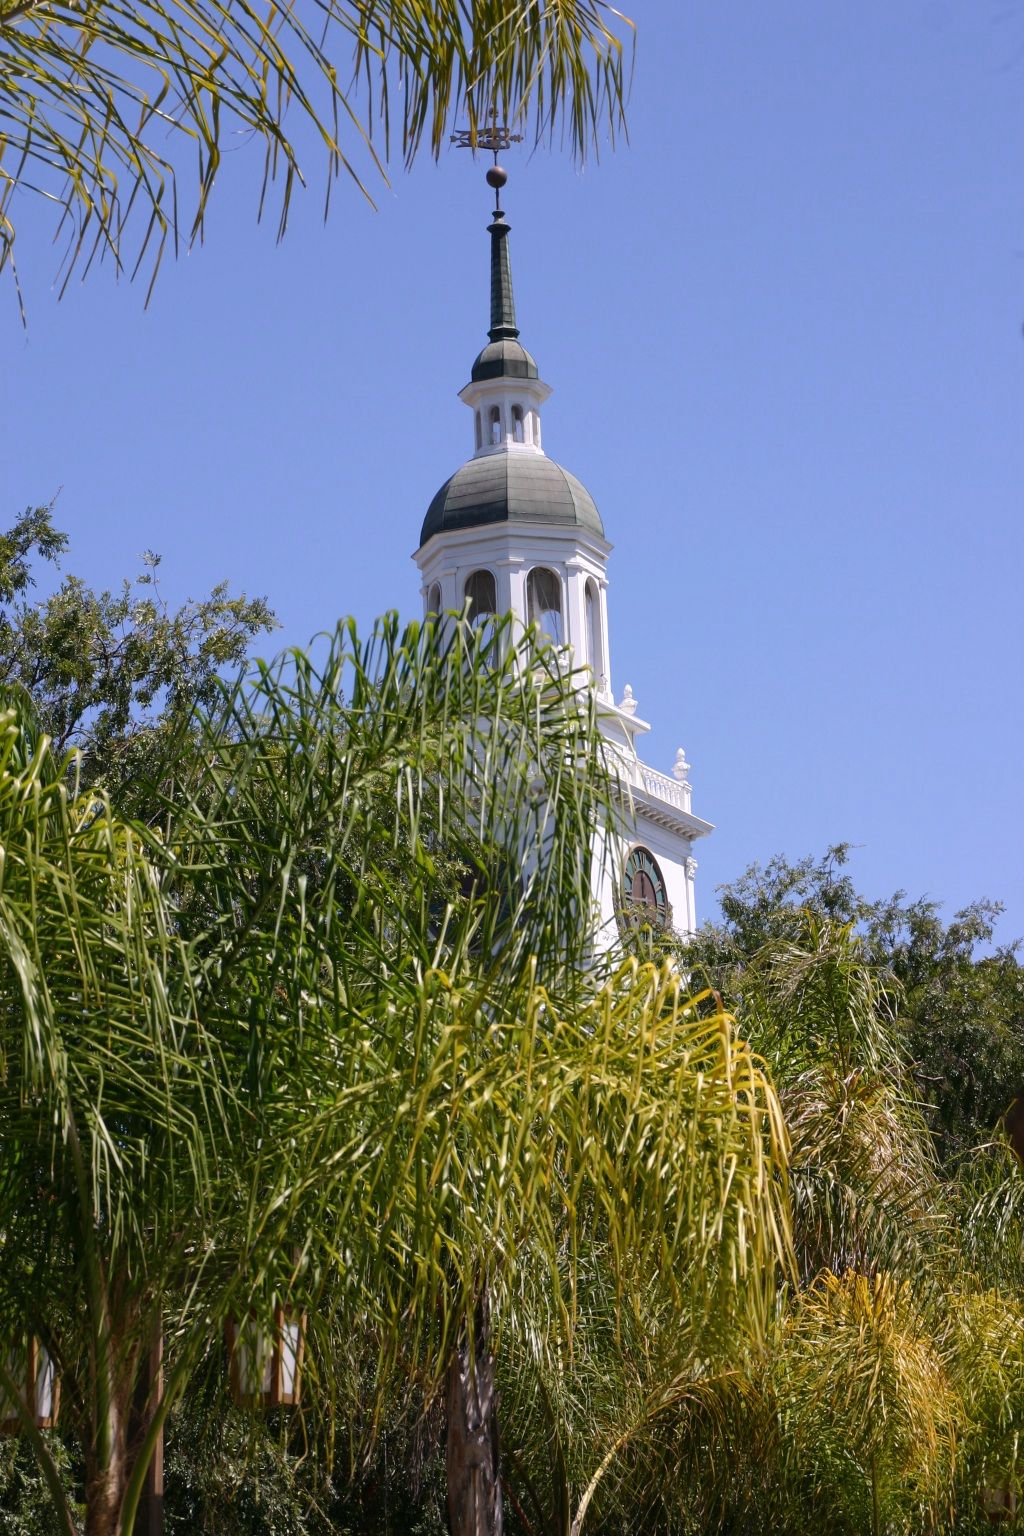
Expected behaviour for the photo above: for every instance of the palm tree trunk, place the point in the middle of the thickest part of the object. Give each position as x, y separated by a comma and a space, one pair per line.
874, 1497
107, 1479
474, 1482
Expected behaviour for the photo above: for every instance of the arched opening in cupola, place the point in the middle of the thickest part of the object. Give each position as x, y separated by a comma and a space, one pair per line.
495, 424
479, 436
592, 602
518, 425
434, 598
481, 595
544, 603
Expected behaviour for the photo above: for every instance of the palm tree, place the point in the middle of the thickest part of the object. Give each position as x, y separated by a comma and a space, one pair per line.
327, 1036
99, 100
887, 1395
115, 1116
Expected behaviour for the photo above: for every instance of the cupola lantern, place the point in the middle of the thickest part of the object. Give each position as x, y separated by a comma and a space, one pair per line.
512, 531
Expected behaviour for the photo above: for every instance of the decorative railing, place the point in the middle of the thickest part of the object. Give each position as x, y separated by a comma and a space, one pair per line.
664, 788
658, 785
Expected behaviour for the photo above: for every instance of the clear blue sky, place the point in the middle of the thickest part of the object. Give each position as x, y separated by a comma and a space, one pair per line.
783, 326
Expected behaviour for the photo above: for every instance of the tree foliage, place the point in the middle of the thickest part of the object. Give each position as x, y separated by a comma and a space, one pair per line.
322, 1026
957, 997
257, 1052
887, 1399
112, 675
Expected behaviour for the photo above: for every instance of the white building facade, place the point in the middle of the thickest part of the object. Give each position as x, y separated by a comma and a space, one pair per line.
513, 532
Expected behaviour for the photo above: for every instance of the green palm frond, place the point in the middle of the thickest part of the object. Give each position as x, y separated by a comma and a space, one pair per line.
92, 1033
815, 997
117, 1119
421, 799
864, 1187
103, 104
609, 1422
887, 1396
475, 1105
465, 1093
863, 1176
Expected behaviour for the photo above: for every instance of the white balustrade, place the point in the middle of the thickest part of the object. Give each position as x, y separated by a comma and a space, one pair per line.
662, 787
658, 785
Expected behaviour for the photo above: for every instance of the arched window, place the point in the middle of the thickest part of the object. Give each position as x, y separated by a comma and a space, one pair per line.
481, 596
434, 599
593, 607
479, 431
518, 426
544, 603
495, 423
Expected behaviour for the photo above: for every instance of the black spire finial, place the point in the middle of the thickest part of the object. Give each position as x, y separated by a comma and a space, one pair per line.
503, 308
503, 304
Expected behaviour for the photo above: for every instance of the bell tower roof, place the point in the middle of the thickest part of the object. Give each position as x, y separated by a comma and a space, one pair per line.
504, 359
509, 479
511, 488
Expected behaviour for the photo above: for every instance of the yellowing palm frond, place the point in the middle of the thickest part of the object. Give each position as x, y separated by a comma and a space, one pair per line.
869, 1411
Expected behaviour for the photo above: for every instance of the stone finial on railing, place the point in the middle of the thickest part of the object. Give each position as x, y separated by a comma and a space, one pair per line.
627, 703
680, 769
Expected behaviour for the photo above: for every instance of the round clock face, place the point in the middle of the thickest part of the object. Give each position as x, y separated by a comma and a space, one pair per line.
643, 888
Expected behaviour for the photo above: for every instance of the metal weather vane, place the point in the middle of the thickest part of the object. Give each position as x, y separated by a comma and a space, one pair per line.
494, 136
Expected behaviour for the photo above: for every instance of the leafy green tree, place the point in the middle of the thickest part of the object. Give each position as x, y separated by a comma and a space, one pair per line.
26, 1507
963, 1012
958, 999
224, 1475
112, 675
99, 101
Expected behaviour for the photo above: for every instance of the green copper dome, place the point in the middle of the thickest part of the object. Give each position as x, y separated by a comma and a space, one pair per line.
511, 488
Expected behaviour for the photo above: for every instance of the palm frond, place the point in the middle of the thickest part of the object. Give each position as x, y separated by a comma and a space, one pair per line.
103, 104
869, 1408
445, 1086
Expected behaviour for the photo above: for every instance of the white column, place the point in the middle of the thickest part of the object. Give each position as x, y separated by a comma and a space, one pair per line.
690, 868
606, 667
503, 583
517, 589
575, 611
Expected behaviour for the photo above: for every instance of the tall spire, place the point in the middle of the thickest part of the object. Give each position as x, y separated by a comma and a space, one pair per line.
495, 136
503, 304
504, 361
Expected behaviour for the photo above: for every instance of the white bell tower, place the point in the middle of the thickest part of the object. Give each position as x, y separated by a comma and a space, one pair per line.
512, 531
